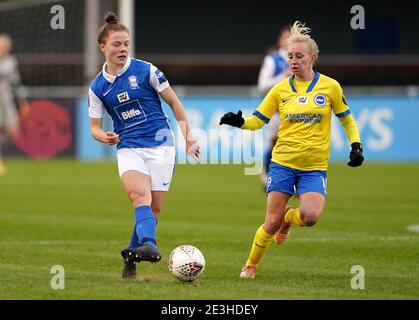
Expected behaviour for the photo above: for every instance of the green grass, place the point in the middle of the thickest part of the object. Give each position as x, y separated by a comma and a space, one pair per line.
74, 214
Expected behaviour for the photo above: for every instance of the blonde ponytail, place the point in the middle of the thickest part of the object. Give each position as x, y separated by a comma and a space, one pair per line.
301, 33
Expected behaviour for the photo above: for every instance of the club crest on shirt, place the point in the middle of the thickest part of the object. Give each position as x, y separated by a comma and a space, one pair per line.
122, 97
133, 82
320, 100
302, 100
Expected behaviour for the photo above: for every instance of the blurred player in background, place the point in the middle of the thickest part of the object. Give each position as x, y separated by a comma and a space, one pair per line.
274, 68
128, 89
305, 102
11, 94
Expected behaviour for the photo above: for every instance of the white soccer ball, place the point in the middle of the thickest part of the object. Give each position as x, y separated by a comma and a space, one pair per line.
186, 263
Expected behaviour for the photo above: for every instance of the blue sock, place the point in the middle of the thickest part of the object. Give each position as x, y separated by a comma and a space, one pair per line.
145, 225
135, 243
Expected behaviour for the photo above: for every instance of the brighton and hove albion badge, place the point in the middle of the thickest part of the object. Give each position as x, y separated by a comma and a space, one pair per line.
320, 100
133, 82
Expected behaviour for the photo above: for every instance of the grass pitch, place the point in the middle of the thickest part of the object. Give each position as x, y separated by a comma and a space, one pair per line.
76, 215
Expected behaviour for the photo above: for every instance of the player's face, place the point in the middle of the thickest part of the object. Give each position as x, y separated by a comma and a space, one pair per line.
300, 59
116, 48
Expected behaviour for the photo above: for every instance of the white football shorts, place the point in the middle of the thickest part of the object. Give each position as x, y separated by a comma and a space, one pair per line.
156, 162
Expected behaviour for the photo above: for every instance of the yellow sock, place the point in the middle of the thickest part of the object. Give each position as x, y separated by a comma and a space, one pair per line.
294, 216
261, 243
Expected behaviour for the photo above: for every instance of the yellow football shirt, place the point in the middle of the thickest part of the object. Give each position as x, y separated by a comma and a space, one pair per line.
305, 109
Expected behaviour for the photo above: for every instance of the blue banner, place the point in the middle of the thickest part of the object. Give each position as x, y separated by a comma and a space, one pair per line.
387, 125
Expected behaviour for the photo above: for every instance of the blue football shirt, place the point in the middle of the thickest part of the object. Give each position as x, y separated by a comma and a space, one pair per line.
132, 100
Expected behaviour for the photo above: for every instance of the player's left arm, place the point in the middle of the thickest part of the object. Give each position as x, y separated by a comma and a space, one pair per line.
170, 97
160, 83
342, 111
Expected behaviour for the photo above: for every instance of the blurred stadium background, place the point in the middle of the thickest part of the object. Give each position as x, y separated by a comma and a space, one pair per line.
211, 53
212, 57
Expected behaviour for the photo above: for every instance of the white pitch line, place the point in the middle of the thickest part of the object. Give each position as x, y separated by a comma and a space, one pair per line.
358, 239
60, 242
413, 228
236, 241
322, 239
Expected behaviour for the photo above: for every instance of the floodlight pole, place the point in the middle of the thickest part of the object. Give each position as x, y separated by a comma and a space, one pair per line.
91, 51
126, 16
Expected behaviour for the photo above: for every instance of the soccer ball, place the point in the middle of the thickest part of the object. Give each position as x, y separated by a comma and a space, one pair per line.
186, 263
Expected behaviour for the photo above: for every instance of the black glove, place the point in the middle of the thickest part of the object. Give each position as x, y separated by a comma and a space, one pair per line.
356, 157
232, 119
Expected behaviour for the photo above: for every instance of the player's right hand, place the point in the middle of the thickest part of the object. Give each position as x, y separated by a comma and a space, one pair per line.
232, 119
111, 138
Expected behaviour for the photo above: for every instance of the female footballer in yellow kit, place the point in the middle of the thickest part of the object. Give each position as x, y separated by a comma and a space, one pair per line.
305, 102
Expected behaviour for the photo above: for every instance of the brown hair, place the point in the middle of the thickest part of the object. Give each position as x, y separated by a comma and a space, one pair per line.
112, 24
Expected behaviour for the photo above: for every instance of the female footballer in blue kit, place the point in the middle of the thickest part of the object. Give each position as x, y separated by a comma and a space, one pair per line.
128, 89
305, 102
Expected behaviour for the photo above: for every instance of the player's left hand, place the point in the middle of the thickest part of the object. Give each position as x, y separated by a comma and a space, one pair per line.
356, 157
192, 147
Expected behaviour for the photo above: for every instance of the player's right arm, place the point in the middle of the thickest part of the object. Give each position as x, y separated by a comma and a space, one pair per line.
260, 117
96, 114
108, 137
264, 112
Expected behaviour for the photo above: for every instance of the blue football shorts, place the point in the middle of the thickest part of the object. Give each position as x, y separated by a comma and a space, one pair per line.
288, 180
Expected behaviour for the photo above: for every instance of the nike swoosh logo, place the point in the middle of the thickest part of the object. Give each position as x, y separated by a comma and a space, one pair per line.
256, 244
107, 92
165, 183
285, 100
